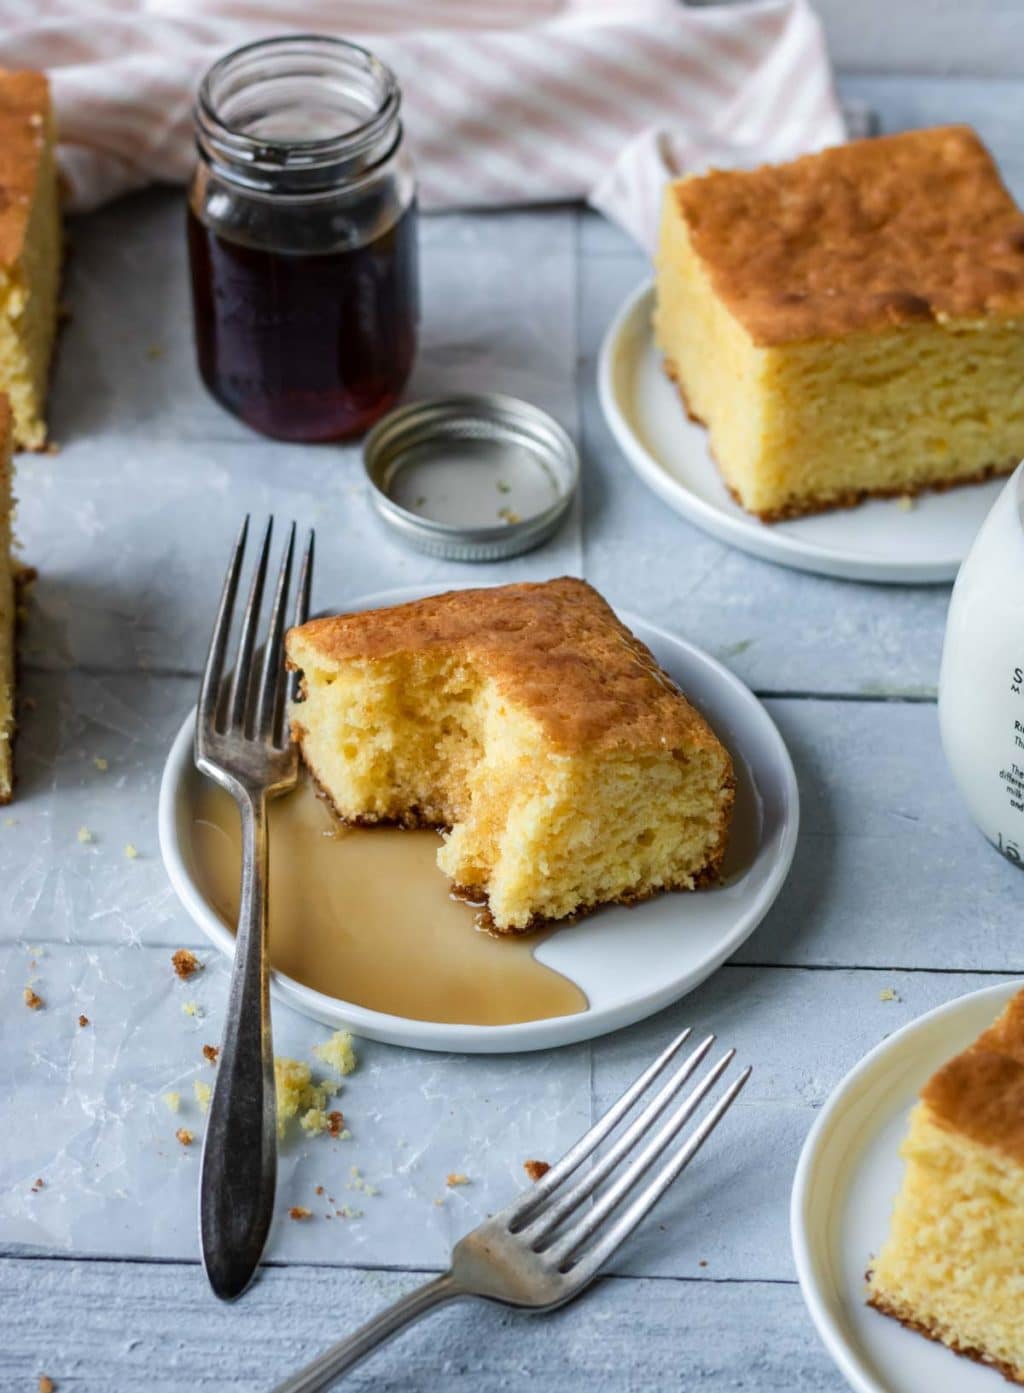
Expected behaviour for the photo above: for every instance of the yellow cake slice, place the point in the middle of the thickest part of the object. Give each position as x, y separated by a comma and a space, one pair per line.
30, 250
953, 1265
851, 323
565, 767
8, 609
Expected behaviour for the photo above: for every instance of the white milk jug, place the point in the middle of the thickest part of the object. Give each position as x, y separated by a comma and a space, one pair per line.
981, 686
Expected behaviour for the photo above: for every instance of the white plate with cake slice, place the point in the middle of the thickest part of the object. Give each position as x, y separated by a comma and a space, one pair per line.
621, 963
909, 541
847, 1179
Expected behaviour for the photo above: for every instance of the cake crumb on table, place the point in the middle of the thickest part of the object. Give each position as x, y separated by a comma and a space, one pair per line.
131, 851
889, 994
85, 836
202, 1092
319, 1190
100, 763
38, 1184
535, 1169
456, 1178
83, 1021
184, 1136
46, 1385
337, 1052
173, 1100
360, 1183
192, 1008
299, 1211
32, 999
185, 963
211, 1053
298, 1096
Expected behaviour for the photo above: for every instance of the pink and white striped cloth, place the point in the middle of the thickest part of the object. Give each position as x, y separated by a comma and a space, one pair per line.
505, 101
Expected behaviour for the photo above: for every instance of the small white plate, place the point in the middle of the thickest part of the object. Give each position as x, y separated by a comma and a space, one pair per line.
846, 1180
628, 962
878, 541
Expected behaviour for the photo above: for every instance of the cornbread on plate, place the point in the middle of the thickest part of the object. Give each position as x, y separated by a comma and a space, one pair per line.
849, 324
566, 768
951, 1267
30, 250
8, 608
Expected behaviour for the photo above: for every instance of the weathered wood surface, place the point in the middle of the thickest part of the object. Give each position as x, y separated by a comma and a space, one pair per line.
107, 1326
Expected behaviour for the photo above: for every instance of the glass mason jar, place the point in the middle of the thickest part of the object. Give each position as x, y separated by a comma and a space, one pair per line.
302, 238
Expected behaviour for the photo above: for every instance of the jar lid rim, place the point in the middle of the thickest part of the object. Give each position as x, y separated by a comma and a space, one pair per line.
238, 144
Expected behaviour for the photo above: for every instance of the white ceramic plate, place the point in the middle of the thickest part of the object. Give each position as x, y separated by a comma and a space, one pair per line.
847, 1177
628, 962
879, 541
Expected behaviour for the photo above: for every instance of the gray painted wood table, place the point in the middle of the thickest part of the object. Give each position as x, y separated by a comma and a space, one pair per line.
891, 889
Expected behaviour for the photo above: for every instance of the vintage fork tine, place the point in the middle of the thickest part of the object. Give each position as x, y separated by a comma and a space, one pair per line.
272, 675
209, 693
238, 700
594, 1258
305, 581
301, 613
563, 1204
579, 1152
577, 1235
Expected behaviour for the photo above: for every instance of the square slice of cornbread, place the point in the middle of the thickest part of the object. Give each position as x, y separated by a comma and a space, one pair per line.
851, 323
8, 609
566, 769
951, 1266
30, 250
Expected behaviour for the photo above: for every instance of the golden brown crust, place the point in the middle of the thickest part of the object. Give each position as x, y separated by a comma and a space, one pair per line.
851, 498
555, 648
980, 1093
25, 123
893, 230
966, 1351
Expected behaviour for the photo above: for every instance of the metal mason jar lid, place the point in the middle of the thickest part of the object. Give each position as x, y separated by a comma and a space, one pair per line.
471, 478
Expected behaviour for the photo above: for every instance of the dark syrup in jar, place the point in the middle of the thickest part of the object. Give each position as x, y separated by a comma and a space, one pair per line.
306, 346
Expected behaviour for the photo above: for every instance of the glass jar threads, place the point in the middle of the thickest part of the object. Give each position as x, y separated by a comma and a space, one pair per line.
302, 238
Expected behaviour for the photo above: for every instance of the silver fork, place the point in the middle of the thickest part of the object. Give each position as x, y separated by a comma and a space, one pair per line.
529, 1255
242, 742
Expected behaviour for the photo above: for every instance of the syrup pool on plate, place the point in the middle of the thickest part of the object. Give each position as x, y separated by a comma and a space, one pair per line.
364, 915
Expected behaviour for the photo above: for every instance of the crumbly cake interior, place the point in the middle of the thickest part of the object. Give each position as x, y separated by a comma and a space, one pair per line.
30, 250
8, 602
541, 827
850, 324
951, 1267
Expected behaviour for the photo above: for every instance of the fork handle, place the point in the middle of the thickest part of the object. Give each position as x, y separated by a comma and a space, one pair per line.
346, 1354
239, 1167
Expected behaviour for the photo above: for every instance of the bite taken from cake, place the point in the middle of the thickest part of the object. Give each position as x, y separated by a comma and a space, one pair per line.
850, 324
564, 766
